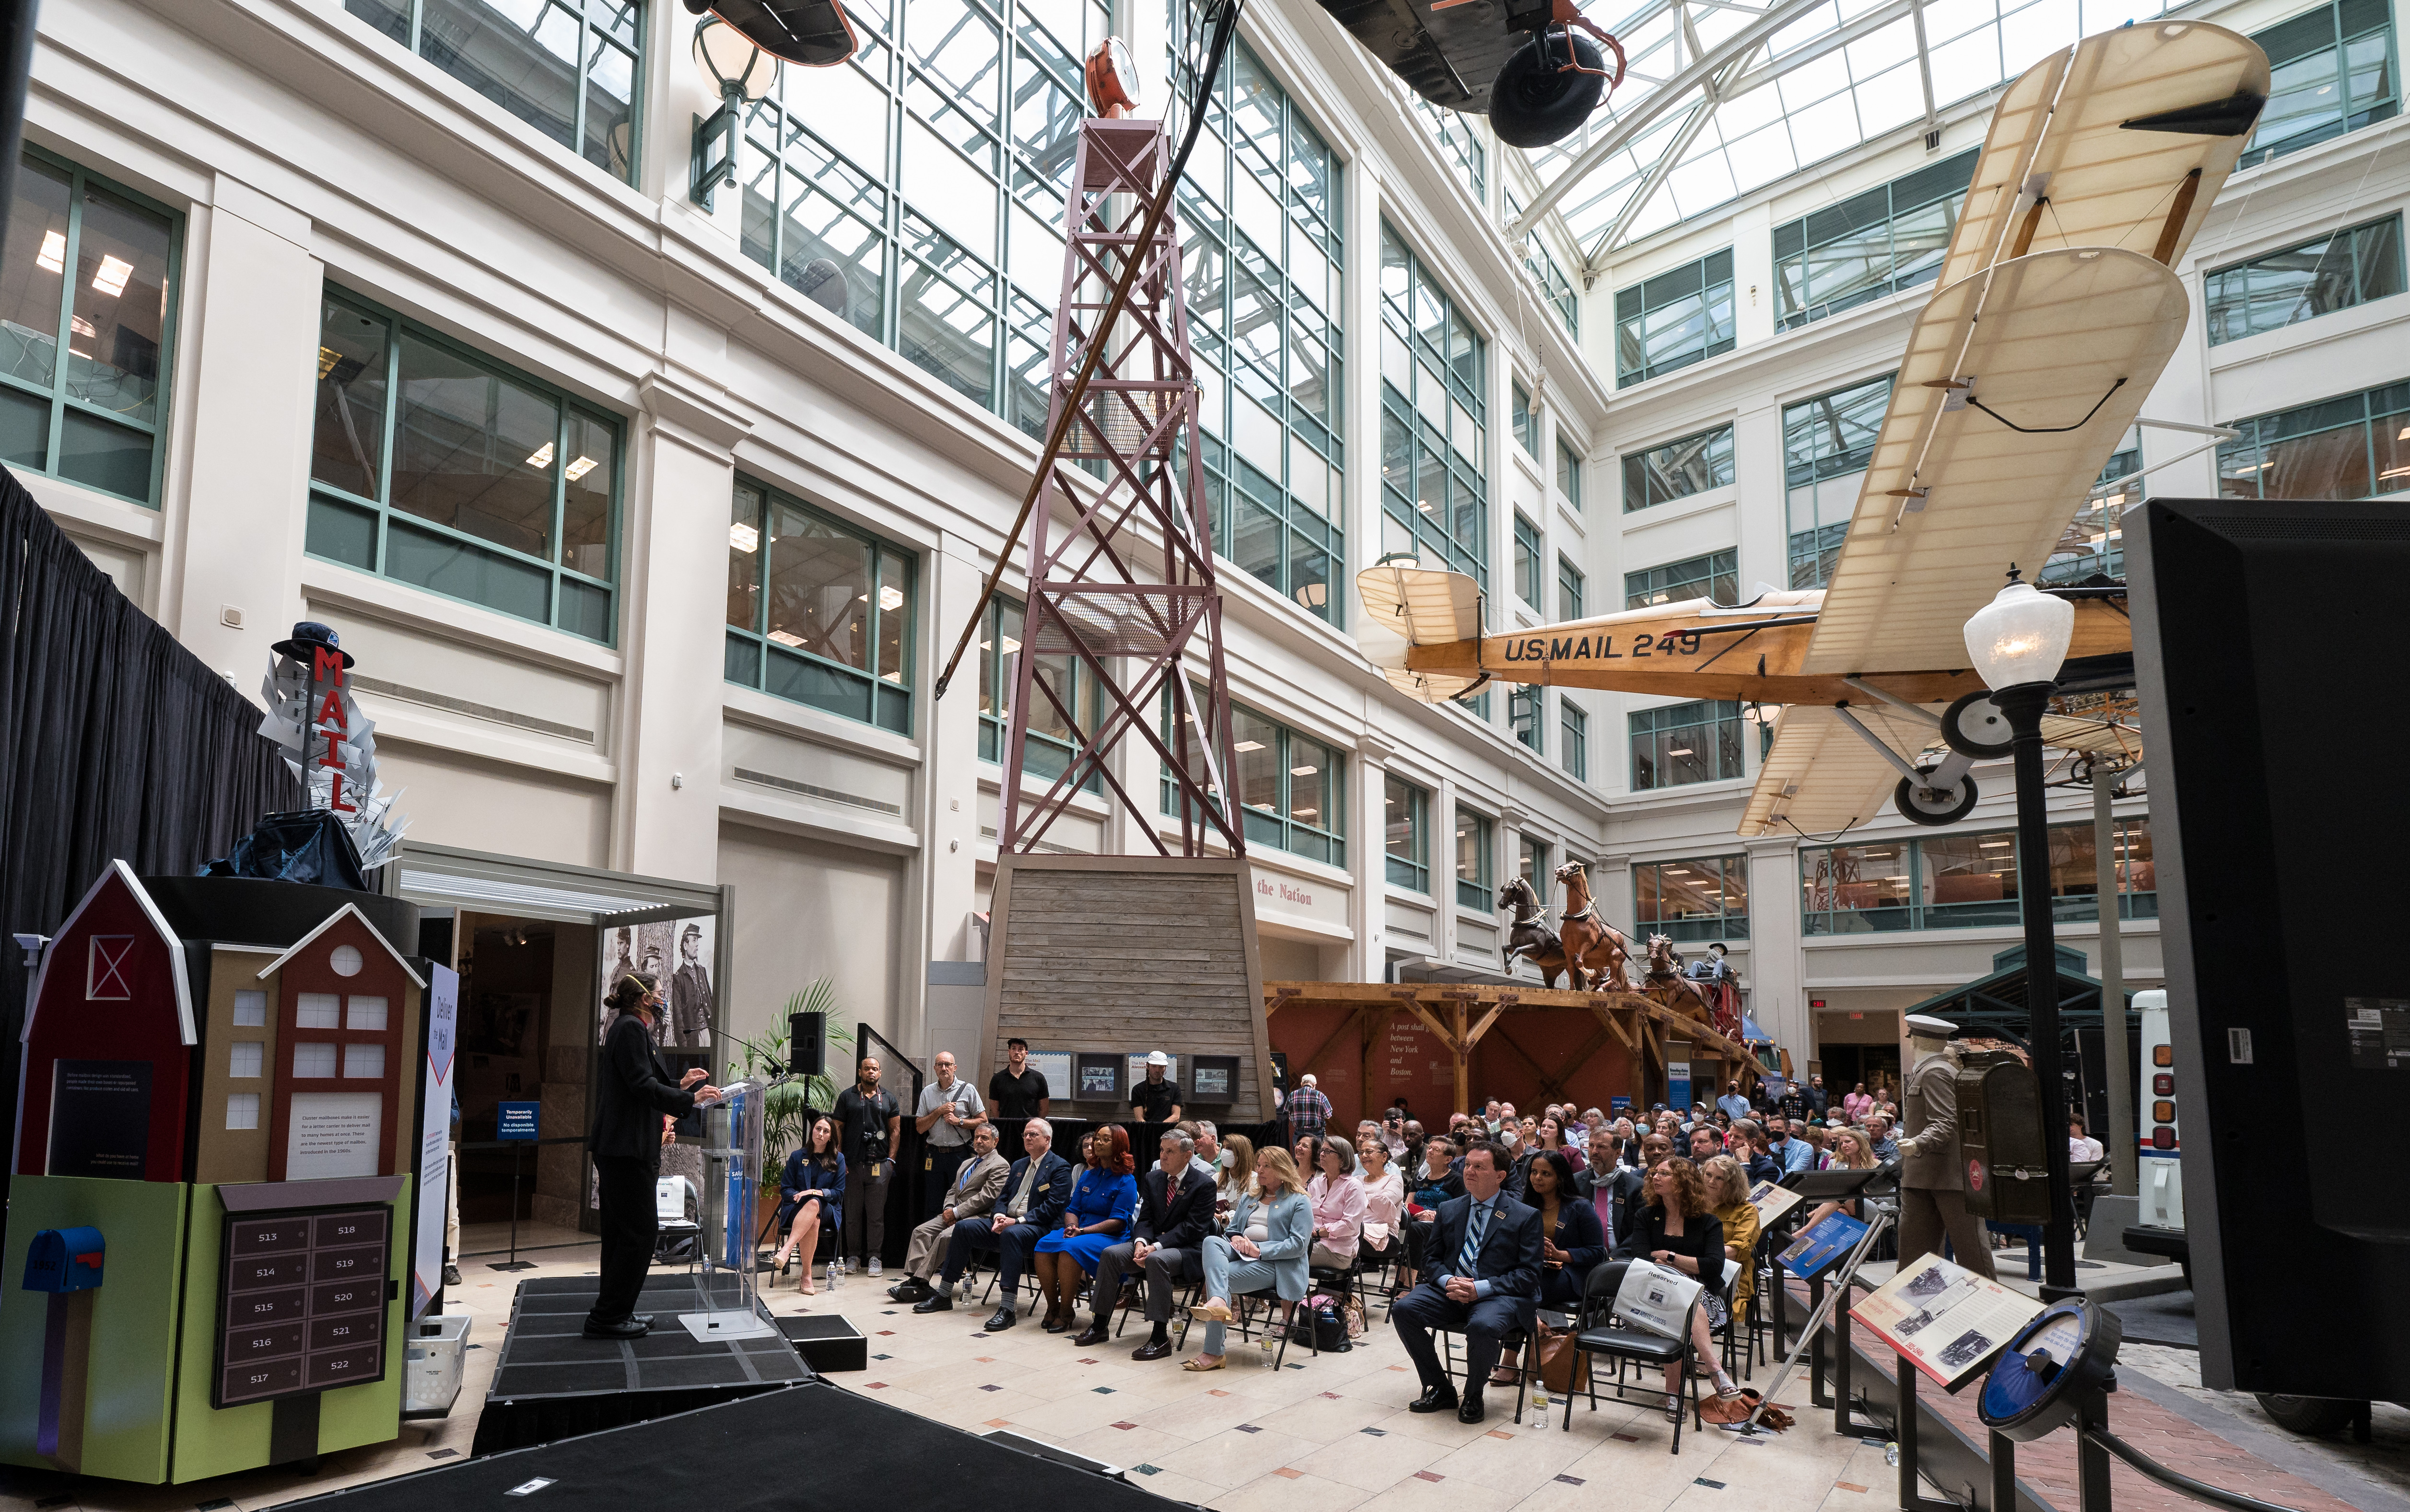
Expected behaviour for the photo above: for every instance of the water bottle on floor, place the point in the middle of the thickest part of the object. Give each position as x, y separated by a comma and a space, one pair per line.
1539, 1406
835, 1272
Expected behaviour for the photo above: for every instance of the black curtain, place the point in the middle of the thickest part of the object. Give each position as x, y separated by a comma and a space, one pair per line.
116, 743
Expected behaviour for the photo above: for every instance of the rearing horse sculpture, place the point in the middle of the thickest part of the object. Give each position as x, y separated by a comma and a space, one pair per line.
1527, 935
1595, 948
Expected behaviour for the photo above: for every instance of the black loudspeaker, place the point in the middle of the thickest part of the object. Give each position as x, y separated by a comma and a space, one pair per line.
807, 1044
2286, 1002
2000, 1134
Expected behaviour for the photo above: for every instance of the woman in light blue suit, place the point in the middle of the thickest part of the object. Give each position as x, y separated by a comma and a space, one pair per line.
1271, 1228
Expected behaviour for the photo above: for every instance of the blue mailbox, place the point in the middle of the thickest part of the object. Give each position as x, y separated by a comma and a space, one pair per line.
65, 1259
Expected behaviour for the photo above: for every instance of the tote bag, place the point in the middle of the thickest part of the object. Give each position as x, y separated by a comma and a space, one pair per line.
1657, 1299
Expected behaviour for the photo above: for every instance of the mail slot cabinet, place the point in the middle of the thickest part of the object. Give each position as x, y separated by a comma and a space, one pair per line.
337, 1229
346, 1296
268, 1236
253, 1308
341, 1367
266, 1378
346, 1330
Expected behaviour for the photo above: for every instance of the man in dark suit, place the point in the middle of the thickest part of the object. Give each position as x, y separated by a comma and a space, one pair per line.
1175, 1212
1628, 1193
1035, 1191
1482, 1275
631, 1096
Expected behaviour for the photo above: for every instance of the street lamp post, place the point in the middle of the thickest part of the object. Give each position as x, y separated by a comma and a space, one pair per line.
2018, 642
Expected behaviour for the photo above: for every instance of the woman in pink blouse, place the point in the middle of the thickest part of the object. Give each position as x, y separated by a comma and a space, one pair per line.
1338, 1203
1857, 1104
1385, 1196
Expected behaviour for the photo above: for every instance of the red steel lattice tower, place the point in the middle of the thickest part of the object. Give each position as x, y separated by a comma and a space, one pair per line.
1125, 586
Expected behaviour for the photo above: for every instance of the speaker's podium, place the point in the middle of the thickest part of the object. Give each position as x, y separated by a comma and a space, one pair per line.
730, 1200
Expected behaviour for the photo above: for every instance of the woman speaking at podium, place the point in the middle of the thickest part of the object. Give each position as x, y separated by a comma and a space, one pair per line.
635, 1093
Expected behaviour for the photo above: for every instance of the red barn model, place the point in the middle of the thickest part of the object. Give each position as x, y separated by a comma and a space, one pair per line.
109, 1044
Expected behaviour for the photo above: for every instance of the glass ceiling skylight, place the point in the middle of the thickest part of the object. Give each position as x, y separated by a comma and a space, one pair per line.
1841, 72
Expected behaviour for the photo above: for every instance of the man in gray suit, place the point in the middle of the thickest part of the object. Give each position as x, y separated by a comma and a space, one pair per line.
972, 1194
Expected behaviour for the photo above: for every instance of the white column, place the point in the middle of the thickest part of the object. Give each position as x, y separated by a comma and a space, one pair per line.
1777, 967
1443, 801
1763, 533
1369, 849
950, 752
1754, 301
239, 532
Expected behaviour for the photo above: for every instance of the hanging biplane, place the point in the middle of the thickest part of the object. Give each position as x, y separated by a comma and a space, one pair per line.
2054, 314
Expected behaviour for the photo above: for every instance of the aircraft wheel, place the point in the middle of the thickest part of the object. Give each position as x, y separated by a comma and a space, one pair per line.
1921, 805
1974, 726
2312, 1417
1536, 99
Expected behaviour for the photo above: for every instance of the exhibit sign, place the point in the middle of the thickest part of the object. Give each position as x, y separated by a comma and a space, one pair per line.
1772, 1202
100, 1118
1823, 1245
435, 1137
1677, 1086
300, 1302
333, 1134
678, 954
1944, 1319
516, 1122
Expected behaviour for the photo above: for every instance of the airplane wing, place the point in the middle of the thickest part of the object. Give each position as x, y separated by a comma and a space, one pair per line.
1998, 426
1820, 776
2095, 738
1407, 605
2096, 145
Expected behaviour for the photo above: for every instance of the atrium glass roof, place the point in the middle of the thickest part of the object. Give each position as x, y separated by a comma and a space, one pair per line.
1724, 96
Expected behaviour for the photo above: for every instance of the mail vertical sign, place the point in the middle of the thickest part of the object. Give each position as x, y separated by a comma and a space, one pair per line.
435, 1139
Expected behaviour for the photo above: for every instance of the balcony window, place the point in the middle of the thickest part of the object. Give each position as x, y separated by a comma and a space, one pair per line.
2318, 277
1826, 443
1685, 743
1699, 898
1405, 816
1879, 242
820, 612
1678, 468
1681, 316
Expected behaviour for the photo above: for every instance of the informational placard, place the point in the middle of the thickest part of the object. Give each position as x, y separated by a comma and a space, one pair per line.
1771, 1202
100, 1118
300, 1302
1823, 1245
333, 1134
435, 1137
1055, 1065
1101, 1078
518, 1121
1944, 1319
1214, 1079
1677, 1086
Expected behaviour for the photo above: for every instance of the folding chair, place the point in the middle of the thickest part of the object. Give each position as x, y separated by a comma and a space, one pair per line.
1240, 1312
1599, 1335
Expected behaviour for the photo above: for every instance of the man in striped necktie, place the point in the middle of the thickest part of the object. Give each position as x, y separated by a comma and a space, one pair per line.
1483, 1280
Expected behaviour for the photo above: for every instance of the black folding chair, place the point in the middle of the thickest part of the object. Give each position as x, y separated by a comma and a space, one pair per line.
1599, 1333
1241, 1312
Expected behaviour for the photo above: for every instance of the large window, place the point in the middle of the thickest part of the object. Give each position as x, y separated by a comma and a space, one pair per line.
1701, 898
1715, 575
1262, 255
1956, 881
1826, 443
1528, 555
1570, 589
1555, 288
916, 190
1526, 421
2333, 72
1681, 316
573, 70
435, 466
1678, 468
1050, 747
1525, 704
999, 644
1531, 865
101, 265
1572, 743
1291, 789
1459, 143
1406, 815
2095, 541
1569, 470
820, 612
2350, 448
1434, 429
2316, 278
1473, 842
1879, 242
1684, 743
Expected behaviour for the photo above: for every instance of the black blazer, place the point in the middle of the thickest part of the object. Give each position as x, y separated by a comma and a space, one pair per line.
634, 1091
1048, 1198
1180, 1221
1702, 1240
1510, 1249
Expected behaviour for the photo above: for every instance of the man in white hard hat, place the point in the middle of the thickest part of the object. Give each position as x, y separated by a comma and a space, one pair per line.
1155, 1100
1932, 1176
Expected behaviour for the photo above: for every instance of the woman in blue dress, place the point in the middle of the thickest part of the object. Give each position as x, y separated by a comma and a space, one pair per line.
811, 1188
1104, 1201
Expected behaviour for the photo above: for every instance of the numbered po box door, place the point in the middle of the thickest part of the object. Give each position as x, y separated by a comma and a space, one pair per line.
302, 1301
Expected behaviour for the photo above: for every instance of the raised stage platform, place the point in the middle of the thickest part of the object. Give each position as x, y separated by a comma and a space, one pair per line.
808, 1446
552, 1382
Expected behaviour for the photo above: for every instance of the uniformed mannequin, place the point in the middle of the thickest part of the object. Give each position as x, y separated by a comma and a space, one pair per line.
1932, 1174
631, 1099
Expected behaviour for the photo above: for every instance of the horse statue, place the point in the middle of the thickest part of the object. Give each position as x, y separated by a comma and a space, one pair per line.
1528, 937
1665, 985
1595, 948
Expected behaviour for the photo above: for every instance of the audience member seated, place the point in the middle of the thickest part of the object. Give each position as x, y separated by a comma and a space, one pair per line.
1034, 1192
1599, 1169
1271, 1228
1483, 1275
1631, 1192
1175, 1212
1338, 1201
1851, 1150
809, 1189
970, 1194
1104, 1199
1727, 1186
1385, 1202
1238, 1173
1679, 1232
1706, 1142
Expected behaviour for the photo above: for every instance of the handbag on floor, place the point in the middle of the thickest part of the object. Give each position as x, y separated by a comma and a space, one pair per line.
1563, 1367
